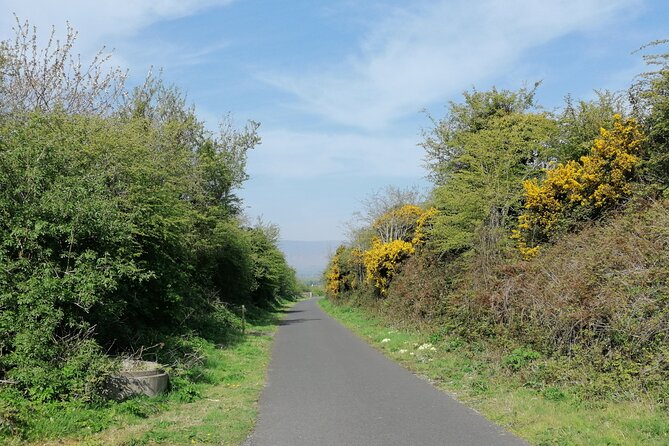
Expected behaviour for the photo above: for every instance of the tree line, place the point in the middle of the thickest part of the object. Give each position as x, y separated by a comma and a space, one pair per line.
120, 224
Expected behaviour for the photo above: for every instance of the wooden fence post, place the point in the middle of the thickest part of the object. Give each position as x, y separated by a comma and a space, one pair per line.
243, 320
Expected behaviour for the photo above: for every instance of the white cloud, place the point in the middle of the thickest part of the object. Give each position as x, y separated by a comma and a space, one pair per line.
169, 54
415, 57
100, 17
98, 22
307, 155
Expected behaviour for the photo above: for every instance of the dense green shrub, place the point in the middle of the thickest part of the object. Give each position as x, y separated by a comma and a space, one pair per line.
119, 229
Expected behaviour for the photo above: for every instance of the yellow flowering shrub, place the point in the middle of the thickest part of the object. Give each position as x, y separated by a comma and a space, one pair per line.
404, 229
397, 233
423, 222
607, 171
344, 272
597, 180
333, 278
382, 260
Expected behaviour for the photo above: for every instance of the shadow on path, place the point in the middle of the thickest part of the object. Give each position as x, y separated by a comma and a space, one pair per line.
297, 321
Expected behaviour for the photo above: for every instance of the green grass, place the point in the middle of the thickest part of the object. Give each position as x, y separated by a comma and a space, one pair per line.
503, 388
219, 407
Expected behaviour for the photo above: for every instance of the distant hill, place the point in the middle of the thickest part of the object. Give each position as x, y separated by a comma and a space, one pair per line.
309, 259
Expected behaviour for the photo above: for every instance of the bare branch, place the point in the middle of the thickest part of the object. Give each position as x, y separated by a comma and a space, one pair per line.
53, 77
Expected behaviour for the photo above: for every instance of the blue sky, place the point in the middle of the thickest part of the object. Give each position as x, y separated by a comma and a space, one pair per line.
340, 87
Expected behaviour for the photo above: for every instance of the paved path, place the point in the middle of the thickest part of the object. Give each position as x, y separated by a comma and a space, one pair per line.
327, 387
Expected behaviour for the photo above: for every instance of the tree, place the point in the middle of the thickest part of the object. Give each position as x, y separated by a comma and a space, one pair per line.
397, 223
649, 96
580, 122
380, 215
480, 154
222, 163
443, 144
273, 278
51, 78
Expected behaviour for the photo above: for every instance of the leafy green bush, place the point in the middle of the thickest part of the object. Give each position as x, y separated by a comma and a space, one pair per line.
13, 412
184, 390
119, 229
519, 358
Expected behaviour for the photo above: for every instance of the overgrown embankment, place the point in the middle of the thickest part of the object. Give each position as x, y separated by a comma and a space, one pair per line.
506, 386
593, 306
543, 242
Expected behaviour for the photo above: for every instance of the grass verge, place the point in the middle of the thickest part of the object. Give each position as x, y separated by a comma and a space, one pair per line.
219, 408
502, 389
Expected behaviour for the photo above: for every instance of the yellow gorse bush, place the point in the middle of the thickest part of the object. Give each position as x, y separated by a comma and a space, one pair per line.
341, 274
397, 234
598, 180
333, 278
408, 225
397, 223
422, 223
382, 260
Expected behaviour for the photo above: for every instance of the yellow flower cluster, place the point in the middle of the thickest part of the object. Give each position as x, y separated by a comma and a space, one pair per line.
397, 223
333, 278
341, 273
607, 171
600, 179
382, 259
398, 232
406, 214
422, 223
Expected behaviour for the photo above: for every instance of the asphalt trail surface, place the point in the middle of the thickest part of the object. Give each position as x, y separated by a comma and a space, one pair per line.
327, 387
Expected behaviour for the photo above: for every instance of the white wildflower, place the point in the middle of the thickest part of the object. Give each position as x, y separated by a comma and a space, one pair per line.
384, 340
402, 351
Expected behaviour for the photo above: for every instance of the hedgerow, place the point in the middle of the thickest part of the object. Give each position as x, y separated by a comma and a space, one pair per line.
120, 227
548, 241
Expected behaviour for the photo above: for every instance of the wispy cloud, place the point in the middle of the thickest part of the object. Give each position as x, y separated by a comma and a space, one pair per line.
100, 18
172, 54
431, 50
306, 155
100, 22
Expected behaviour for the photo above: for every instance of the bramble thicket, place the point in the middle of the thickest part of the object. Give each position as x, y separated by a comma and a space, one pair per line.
545, 232
121, 233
